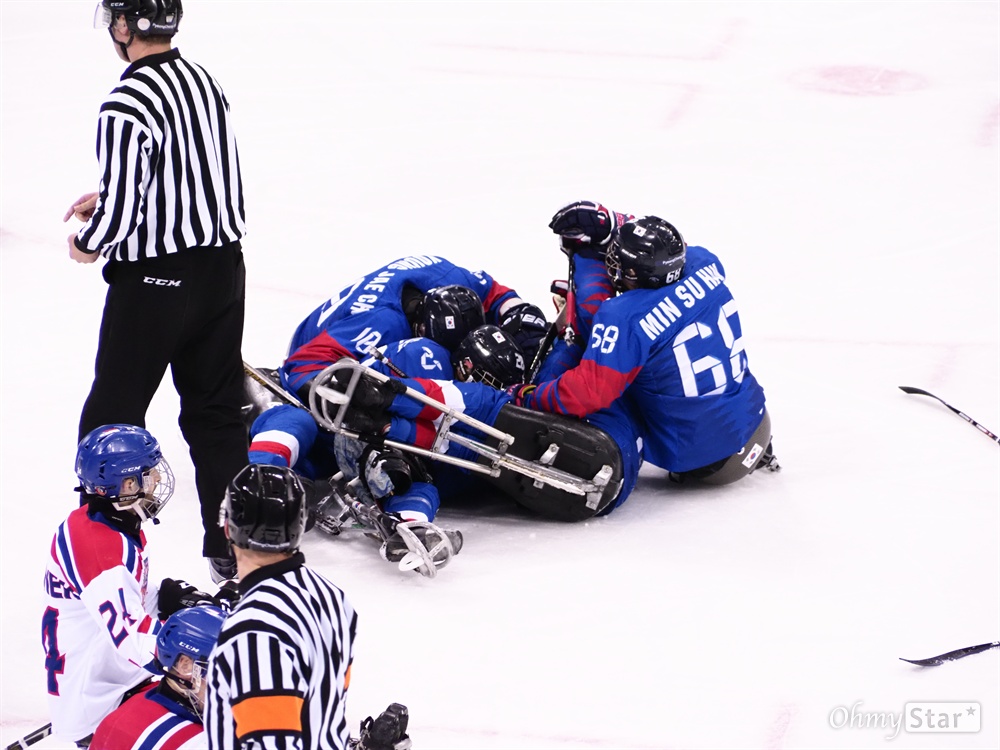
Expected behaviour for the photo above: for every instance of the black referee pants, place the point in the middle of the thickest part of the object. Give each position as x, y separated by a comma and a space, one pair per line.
184, 310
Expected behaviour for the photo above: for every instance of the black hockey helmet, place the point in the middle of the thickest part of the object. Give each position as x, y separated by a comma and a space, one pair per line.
144, 17
649, 252
489, 355
448, 314
265, 509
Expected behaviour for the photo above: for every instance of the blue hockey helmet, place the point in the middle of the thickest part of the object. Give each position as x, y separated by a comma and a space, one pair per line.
647, 252
448, 314
190, 632
123, 463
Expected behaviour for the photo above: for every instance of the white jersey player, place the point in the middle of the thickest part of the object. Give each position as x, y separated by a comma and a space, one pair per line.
99, 626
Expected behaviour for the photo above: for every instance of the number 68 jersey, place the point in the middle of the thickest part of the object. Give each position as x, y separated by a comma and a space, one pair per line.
676, 353
96, 631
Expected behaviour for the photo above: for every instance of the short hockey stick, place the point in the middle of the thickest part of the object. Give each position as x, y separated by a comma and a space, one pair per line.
571, 303
31, 738
547, 343
963, 415
380, 356
565, 319
953, 655
270, 385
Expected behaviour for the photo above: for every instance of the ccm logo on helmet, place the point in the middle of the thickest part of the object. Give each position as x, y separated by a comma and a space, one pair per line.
161, 282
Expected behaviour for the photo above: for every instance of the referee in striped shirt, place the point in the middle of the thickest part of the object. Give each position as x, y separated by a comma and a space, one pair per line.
278, 677
168, 217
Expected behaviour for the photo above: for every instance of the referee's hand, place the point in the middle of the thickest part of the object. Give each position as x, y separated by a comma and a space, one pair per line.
77, 254
83, 207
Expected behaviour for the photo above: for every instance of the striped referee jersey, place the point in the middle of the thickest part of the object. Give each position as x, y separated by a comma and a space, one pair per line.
170, 177
278, 676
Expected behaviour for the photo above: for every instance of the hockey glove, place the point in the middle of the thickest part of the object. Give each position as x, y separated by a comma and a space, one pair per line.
519, 392
387, 732
176, 595
370, 394
371, 428
386, 472
526, 324
227, 597
586, 228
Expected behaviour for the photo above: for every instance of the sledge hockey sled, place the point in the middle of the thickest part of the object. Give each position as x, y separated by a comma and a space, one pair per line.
545, 462
564, 444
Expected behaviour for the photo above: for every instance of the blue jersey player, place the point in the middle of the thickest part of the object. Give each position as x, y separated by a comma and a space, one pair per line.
669, 347
288, 436
661, 368
414, 296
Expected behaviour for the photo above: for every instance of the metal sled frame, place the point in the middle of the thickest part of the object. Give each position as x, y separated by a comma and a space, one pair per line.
354, 514
329, 406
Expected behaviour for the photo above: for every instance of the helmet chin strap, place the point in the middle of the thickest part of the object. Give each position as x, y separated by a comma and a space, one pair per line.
123, 45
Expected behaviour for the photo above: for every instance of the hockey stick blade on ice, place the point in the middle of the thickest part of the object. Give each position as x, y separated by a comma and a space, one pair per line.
953, 655
963, 415
31, 738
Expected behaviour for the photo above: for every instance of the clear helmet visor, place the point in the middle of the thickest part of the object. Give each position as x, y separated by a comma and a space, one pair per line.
146, 494
102, 17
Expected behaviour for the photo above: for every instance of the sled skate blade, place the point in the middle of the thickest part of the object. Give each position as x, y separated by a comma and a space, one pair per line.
412, 561
429, 547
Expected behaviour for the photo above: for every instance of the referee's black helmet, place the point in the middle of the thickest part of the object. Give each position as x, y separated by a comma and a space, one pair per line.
265, 509
144, 17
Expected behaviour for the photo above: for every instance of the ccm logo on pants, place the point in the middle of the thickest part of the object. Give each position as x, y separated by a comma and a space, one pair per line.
161, 282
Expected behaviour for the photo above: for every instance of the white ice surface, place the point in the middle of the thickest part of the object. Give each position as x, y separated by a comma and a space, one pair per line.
841, 158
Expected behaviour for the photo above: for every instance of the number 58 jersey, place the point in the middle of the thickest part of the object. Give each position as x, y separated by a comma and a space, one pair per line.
96, 632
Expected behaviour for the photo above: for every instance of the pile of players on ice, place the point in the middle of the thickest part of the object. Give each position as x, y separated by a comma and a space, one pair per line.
645, 362
415, 385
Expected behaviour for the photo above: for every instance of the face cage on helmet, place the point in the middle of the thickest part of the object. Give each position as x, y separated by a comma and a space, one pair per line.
157, 489
487, 378
615, 268
470, 372
191, 686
